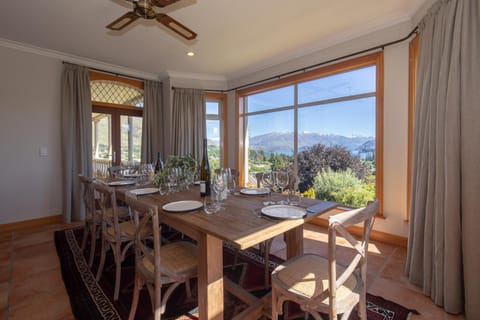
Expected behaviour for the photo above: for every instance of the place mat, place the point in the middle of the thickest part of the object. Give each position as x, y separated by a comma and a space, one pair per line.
322, 207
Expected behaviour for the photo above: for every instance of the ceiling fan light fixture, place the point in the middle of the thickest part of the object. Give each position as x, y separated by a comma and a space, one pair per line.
190, 53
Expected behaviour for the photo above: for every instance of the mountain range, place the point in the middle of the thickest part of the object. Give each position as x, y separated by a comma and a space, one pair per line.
283, 141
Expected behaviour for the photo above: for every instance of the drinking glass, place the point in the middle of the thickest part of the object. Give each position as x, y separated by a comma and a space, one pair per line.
211, 204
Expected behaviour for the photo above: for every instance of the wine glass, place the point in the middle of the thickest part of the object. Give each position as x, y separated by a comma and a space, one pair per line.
230, 179
172, 178
281, 179
219, 185
268, 181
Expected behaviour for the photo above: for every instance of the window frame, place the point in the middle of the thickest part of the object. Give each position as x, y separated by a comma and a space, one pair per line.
412, 92
376, 59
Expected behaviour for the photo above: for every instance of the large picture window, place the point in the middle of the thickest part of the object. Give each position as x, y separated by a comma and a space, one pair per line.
325, 126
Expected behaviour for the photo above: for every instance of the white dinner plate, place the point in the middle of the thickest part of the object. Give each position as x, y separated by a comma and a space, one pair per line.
182, 206
281, 211
254, 191
141, 192
121, 183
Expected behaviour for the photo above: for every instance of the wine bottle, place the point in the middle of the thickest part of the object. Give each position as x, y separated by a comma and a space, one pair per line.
159, 164
205, 172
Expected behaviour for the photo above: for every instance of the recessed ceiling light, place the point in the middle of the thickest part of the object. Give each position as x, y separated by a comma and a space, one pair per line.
190, 53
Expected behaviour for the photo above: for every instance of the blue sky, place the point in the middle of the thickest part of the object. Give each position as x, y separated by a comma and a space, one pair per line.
348, 118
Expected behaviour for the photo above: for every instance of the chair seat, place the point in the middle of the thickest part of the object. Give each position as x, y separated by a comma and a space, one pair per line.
127, 229
179, 259
307, 277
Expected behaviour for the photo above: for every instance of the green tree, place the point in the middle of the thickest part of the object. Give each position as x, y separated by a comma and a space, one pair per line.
336, 158
280, 161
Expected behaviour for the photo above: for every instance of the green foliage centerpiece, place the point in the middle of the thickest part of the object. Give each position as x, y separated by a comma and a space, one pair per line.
187, 165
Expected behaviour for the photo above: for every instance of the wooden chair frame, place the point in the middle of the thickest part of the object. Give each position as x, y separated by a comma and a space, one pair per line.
108, 201
356, 268
147, 222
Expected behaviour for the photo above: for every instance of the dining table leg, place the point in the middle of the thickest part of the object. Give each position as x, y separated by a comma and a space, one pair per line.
210, 277
294, 240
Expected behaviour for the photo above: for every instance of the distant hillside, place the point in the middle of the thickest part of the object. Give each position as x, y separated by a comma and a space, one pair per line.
275, 141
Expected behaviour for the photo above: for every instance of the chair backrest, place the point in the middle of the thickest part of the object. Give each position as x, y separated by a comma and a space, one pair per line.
87, 194
338, 224
115, 171
107, 201
146, 221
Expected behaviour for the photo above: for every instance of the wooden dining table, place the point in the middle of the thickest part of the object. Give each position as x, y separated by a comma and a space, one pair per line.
238, 223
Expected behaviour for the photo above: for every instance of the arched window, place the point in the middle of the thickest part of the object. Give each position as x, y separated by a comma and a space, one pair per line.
117, 110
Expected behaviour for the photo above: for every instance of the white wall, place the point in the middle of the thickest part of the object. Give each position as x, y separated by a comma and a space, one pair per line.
29, 119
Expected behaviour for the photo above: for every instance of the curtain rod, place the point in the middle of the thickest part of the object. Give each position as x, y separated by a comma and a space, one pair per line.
111, 73
313, 66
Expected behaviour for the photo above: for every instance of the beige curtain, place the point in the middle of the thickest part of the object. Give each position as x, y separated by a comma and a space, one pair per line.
443, 251
76, 117
188, 117
152, 122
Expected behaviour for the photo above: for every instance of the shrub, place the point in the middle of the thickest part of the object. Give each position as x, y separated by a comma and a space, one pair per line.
343, 187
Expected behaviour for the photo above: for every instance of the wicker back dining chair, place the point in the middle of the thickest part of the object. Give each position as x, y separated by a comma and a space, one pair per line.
92, 219
311, 280
157, 265
118, 233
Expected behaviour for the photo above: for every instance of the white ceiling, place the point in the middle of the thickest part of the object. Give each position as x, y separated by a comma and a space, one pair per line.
235, 37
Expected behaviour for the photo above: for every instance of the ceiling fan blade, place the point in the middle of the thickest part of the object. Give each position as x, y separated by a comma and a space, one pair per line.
176, 26
163, 3
123, 21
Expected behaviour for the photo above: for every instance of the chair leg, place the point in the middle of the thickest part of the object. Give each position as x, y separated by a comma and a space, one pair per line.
86, 230
136, 294
188, 290
235, 259
117, 253
93, 239
102, 260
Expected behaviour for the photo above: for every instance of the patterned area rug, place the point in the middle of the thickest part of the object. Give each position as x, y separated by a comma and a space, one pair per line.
92, 300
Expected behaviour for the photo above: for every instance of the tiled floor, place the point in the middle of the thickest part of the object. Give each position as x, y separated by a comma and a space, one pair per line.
31, 285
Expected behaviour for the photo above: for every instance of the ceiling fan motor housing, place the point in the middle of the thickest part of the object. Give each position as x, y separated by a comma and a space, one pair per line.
144, 9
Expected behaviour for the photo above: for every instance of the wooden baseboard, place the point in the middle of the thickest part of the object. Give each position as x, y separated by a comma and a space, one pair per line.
26, 224
380, 236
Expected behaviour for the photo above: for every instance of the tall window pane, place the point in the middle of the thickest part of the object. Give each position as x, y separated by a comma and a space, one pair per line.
337, 142
270, 142
130, 139
214, 133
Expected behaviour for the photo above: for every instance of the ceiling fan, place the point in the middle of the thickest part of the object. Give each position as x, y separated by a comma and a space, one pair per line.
145, 9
